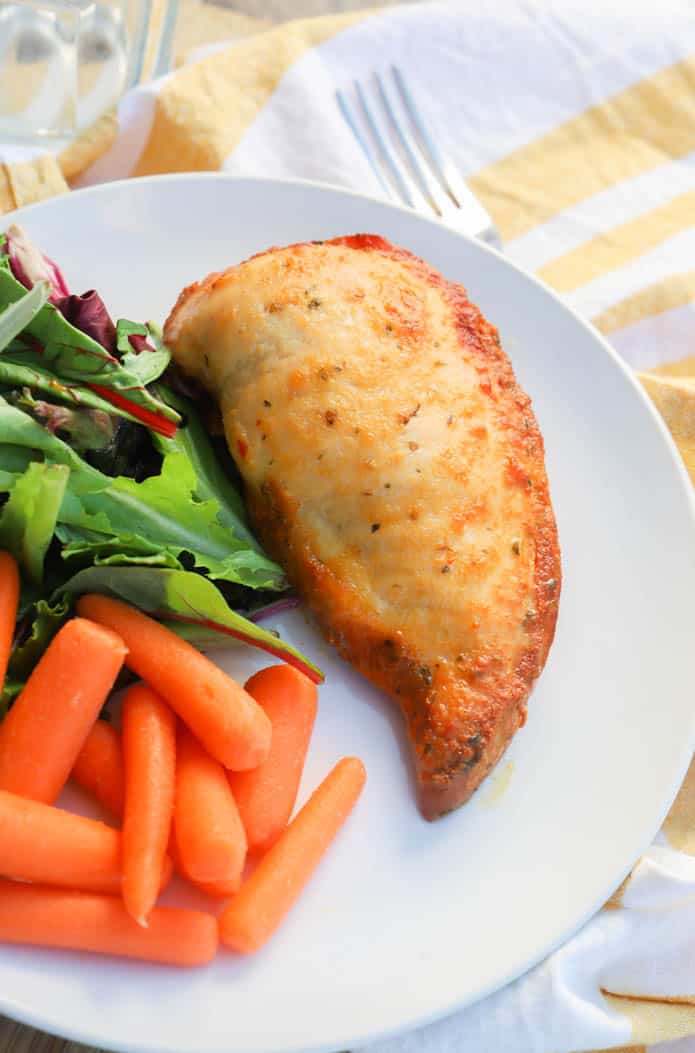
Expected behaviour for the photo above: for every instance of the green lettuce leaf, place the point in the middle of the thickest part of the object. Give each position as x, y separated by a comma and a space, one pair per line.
20, 369
112, 551
164, 512
71, 355
86, 429
47, 620
28, 518
10, 689
16, 316
124, 330
161, 511
20, 430
186, 598
210, 479
14, 461
146, 365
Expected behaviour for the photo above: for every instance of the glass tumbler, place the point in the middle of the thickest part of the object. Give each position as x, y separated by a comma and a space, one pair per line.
64, 62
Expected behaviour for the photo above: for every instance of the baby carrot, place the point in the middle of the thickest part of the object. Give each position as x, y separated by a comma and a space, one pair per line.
149, 759
99, 770
230, 724
210, 838
99, 767
266, 795
9, 598
216, 889
45, 730
106, 786
262, 902
48, 917
45, 844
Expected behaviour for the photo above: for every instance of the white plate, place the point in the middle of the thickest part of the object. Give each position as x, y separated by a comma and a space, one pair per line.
405, 920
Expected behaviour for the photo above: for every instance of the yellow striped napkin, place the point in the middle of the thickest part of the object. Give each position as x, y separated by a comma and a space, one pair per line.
577, 132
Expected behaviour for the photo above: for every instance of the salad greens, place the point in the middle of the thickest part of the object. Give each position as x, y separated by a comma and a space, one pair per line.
166, 513
51, 339
45, 622
29, 517
188, 603
109, 481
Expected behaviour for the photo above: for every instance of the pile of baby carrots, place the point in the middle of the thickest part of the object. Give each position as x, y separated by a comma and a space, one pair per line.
202, 779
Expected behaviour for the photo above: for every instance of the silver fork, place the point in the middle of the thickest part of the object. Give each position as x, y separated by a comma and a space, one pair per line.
410, 166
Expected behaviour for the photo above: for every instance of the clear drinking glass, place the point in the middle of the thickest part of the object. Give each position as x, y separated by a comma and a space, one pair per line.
64, 62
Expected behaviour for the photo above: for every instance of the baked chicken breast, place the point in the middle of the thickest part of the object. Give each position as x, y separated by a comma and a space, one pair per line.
395, 469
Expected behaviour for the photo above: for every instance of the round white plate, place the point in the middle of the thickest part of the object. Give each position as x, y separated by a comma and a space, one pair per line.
406, 921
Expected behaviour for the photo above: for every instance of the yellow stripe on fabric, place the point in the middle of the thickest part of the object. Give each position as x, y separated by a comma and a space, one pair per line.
6, 195
675, 291
614, 248
634, 131
202, 113
24, 182
621, 1049
654, 1020
674, 397
89, 145
684, 367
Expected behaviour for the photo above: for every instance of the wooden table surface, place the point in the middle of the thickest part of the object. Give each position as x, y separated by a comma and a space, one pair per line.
16, 1038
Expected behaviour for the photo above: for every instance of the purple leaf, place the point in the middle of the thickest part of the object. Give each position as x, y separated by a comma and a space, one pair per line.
88, 429
139, 343
88, 313
29, 265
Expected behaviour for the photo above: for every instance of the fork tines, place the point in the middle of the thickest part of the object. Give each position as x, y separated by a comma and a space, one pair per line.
409, 164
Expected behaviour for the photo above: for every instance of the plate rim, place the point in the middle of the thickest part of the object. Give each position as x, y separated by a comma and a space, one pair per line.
35, 1018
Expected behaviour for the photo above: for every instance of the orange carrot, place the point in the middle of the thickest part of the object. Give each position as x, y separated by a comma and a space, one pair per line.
149, 760
45, 844
99, 767
210, 838
48, 917
216, 889
45, 730
266, 795
264, 899
229, 723
99, 770
48, 845
9, 594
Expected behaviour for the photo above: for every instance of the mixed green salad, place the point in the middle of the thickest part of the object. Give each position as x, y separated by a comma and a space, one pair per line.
109, 481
